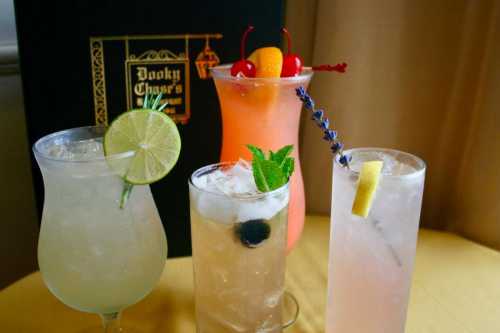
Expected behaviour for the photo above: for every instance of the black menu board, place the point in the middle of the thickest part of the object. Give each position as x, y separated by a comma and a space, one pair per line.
84, 62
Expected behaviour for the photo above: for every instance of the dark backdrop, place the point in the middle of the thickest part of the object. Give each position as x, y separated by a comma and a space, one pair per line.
57, 78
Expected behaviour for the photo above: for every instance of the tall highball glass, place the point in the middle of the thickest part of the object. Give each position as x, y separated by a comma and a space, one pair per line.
371, 259
239, 284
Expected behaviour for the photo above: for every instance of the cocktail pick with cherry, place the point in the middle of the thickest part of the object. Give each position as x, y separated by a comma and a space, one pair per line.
270, 61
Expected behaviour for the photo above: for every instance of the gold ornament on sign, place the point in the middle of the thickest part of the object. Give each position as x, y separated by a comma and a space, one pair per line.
206, 60
165, 67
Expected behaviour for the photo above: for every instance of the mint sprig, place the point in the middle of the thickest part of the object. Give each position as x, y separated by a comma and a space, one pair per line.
273, 172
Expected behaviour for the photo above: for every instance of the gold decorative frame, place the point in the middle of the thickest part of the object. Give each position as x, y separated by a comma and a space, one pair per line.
98, 69
99, 82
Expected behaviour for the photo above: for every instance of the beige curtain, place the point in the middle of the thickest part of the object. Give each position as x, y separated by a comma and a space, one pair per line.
424, 77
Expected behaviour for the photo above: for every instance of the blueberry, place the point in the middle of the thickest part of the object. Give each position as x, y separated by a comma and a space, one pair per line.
253, 232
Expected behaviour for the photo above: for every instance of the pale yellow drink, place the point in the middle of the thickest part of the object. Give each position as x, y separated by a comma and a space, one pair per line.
94, 256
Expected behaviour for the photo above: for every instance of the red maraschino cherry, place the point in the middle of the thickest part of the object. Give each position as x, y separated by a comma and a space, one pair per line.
292, 64
244, 66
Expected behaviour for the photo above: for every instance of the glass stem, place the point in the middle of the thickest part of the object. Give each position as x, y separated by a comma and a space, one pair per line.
111, 322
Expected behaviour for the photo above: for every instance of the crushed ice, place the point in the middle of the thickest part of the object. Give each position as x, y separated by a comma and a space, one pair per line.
226, 198
392, 165
76, 150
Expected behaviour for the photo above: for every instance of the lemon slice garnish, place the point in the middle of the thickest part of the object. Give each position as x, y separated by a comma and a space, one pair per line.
367, 186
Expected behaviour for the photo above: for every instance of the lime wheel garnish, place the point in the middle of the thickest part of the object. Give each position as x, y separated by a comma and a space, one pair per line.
154, 139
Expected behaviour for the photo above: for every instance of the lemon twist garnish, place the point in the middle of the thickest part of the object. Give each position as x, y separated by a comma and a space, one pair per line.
367, 186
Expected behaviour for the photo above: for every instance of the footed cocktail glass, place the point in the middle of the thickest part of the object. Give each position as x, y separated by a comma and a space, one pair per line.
239, 252
371, 259
95, 256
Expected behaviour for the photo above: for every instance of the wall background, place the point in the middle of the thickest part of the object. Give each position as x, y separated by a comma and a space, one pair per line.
18, 220
423, 77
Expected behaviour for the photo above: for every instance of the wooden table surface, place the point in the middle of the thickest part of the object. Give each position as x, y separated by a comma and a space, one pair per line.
456, 289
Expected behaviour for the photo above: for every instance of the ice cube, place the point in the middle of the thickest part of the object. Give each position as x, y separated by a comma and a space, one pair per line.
228, 196
265, 208
393, 164
400, 168
216, 207
76, 150
237, 180
200, 182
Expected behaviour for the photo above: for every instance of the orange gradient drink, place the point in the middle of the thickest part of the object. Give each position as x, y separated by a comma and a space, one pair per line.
264, 112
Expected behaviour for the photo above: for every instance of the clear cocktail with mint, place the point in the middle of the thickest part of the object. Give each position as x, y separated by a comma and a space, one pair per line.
239, 216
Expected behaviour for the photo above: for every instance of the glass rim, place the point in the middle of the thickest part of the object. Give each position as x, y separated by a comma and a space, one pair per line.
222, 72
243, 197
39, 152
420, 164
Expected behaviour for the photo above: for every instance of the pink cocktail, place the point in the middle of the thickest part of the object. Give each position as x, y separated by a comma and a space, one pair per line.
371, 259
264, 112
